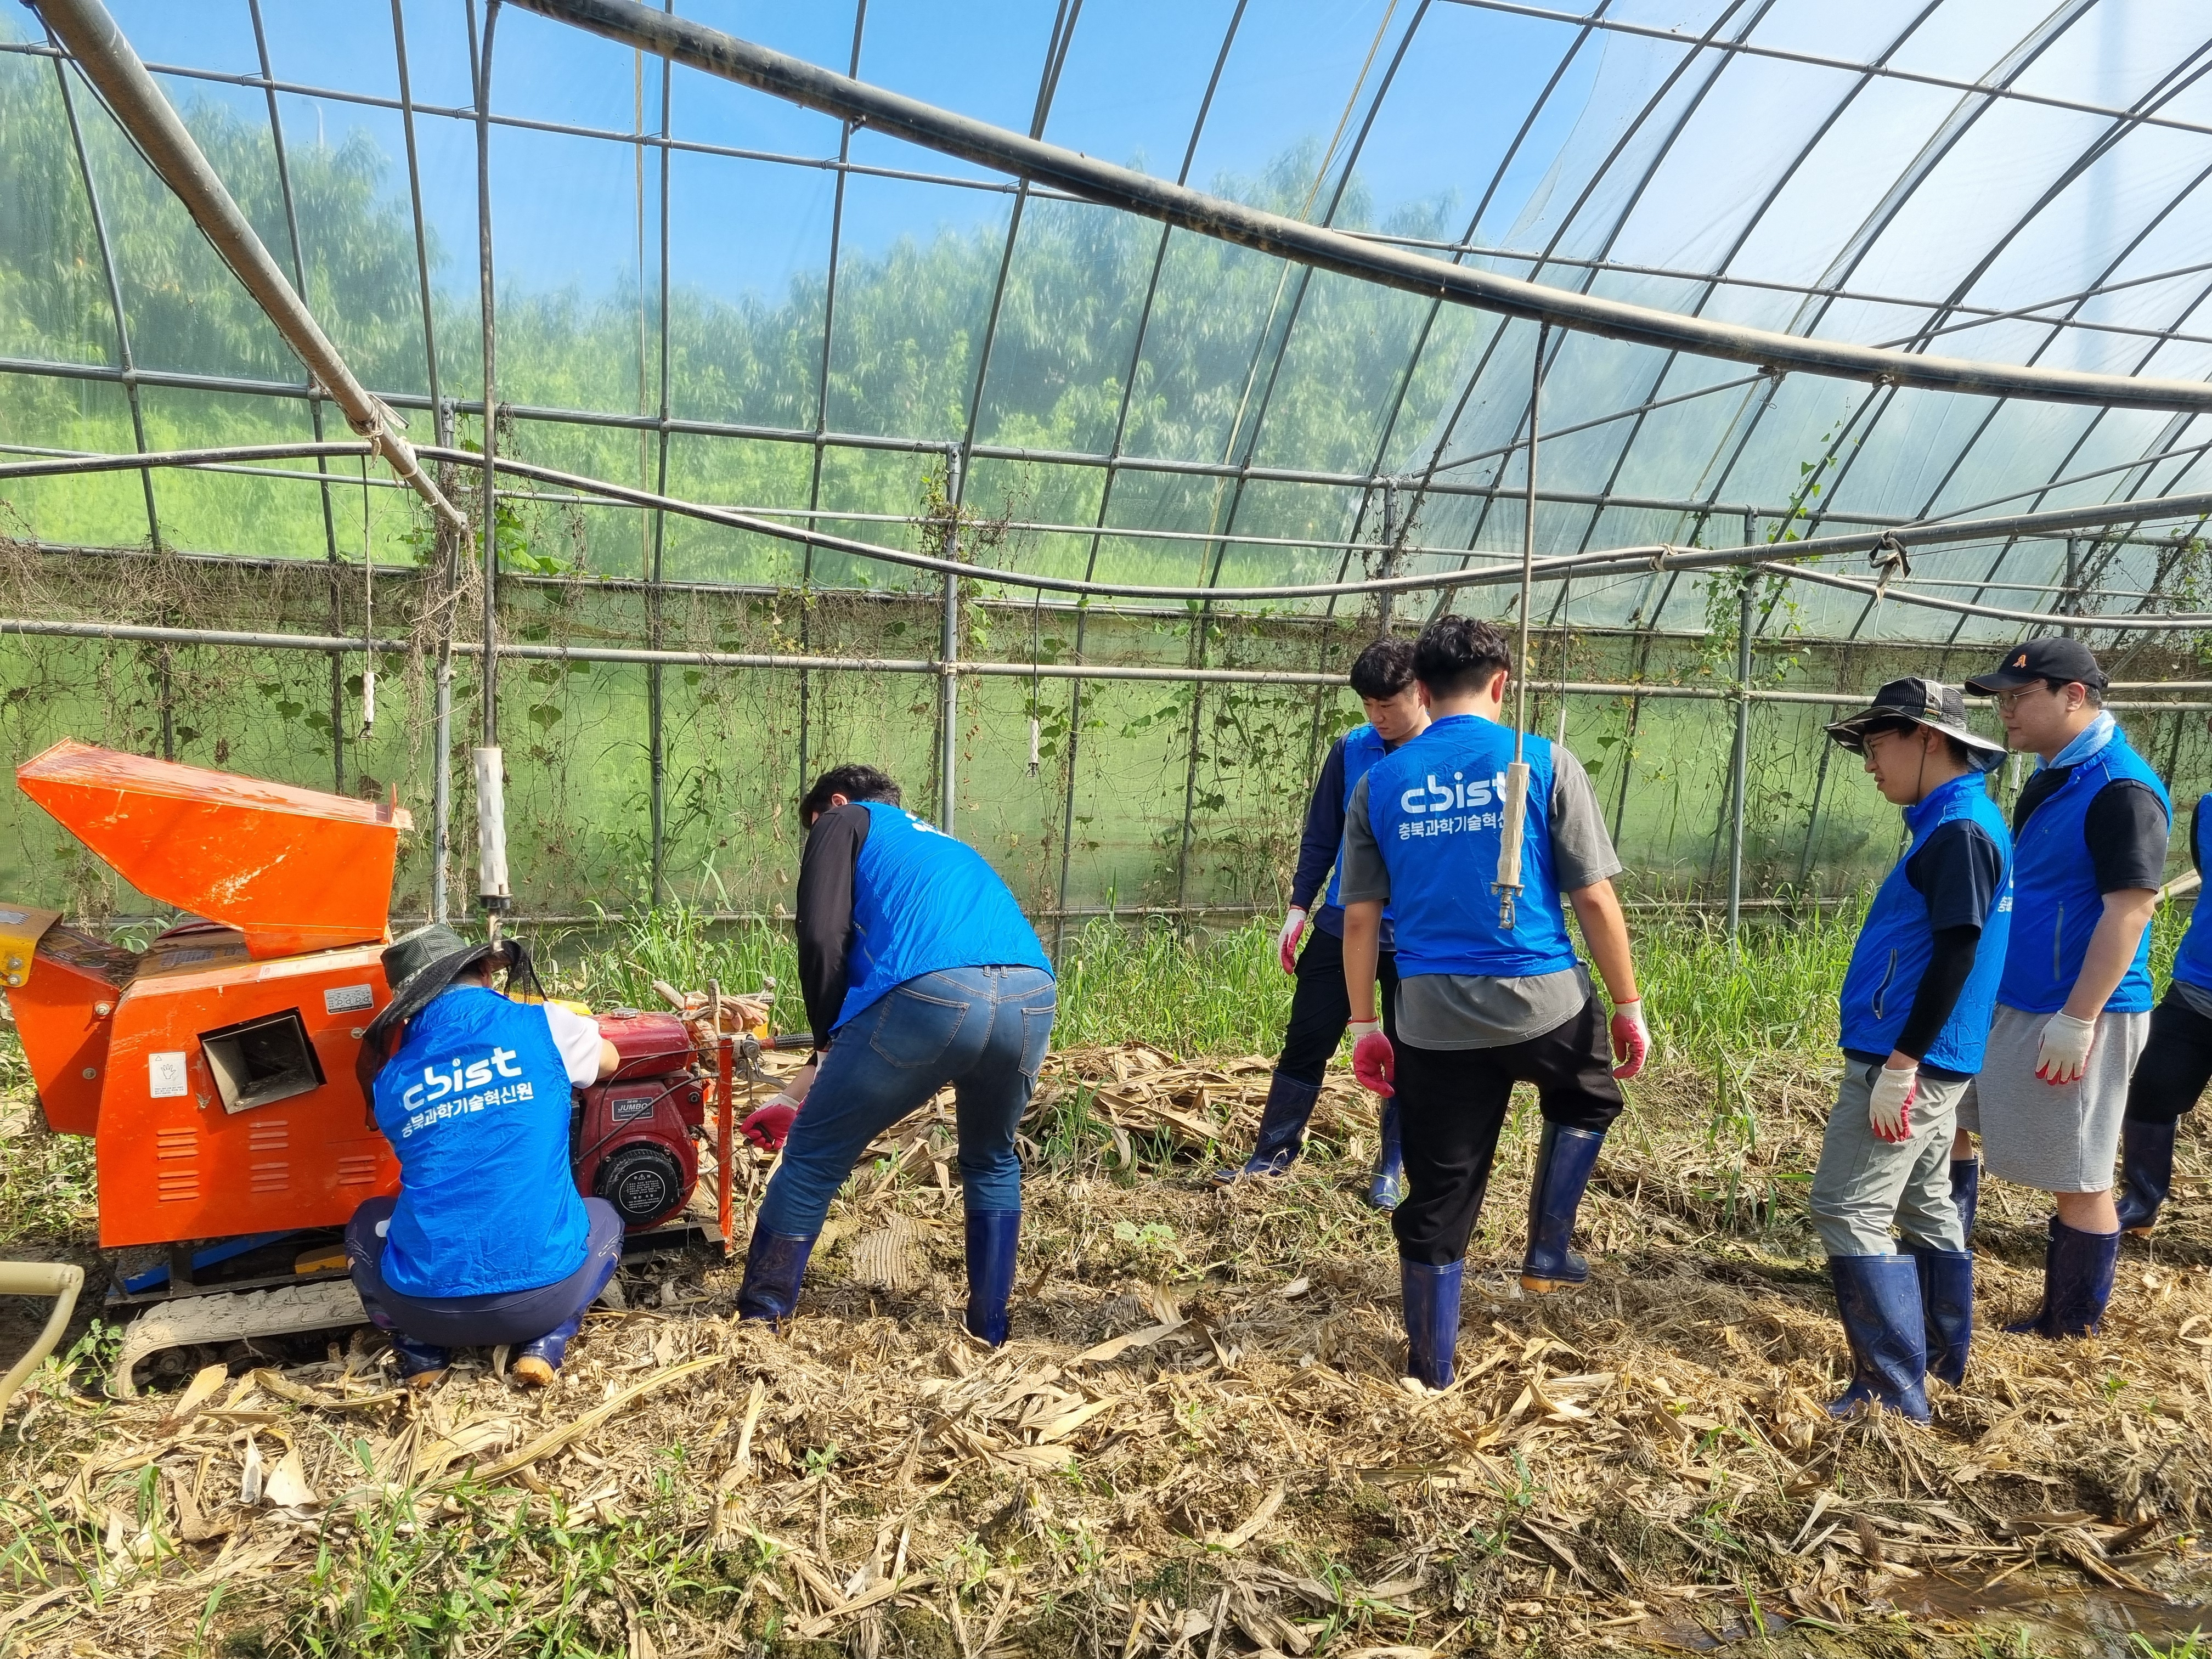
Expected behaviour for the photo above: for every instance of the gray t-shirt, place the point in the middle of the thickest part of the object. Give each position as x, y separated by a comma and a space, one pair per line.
1476, 1011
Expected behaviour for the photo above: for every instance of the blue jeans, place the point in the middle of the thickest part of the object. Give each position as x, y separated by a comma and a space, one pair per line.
479, 1322
984, 1030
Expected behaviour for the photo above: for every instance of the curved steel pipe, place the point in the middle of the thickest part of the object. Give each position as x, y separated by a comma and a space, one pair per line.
1657, 556
812, 86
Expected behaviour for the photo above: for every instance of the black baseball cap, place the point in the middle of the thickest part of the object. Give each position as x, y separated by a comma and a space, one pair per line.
2054, 659
1917, 701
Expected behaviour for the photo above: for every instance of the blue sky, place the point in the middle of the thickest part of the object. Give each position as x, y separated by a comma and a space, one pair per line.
565, 208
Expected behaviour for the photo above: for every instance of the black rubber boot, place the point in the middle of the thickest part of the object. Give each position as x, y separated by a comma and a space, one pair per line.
1565, 1159
994, 1237
2145, 1173
1282, 1129
1878, 1298
1966, 1192
1431, 1319
775, 1263
2077, 1283
1946, 1300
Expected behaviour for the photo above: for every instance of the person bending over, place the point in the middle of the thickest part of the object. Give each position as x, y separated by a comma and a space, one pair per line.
918, 970
1483, 1005
1916, 1008
2176, 1063
487, 1241
2089, 834
1319, 1007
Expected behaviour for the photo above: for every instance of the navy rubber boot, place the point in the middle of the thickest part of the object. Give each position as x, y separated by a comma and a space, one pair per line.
1879, 1299
2145, 1173
993, 1238
1946, 1301
1431, 1319
537, 1360
1565, 1159
1282, 1129
420, 1363
1966, 1192
2077, 1283
1386, 1188
775, 1263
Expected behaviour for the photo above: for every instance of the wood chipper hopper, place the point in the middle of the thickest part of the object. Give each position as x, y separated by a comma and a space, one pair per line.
214, 1071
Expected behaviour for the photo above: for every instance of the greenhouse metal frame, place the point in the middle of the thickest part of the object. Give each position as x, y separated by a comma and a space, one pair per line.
2109, 521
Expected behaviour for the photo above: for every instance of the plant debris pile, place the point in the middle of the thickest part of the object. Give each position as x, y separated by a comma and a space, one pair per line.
1196, 1443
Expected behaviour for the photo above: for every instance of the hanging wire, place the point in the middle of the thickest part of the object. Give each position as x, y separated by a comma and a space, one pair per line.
1508, 883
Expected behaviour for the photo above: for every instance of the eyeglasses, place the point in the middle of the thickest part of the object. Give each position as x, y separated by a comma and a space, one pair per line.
2009, 700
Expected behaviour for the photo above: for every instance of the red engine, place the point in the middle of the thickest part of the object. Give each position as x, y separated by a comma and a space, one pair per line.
631, 1137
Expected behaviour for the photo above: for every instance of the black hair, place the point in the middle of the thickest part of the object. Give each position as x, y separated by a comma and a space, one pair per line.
1383, 669
854, 783
1455, 655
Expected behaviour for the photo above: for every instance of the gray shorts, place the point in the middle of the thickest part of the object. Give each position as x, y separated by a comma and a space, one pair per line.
1866, 1184
2060, 1138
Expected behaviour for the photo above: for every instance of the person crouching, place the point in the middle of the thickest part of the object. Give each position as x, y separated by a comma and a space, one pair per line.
1916, 1002
487, 1241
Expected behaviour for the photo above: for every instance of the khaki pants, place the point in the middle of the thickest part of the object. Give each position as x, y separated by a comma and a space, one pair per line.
1866, 1184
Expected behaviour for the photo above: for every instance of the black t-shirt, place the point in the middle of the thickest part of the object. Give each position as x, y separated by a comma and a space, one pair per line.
2125, 829
1956, 872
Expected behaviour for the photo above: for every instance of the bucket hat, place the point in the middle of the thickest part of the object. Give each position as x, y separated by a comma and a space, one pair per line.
1918, 702
419, 964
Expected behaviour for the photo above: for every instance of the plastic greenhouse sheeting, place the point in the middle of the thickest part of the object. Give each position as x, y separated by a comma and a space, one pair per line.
719, 297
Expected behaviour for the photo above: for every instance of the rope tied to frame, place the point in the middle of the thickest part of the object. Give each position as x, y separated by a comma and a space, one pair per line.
1890, 560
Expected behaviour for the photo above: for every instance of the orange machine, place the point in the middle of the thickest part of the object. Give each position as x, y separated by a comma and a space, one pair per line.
216, 1070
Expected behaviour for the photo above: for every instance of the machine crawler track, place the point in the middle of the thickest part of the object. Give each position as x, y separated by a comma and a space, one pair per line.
224, 1317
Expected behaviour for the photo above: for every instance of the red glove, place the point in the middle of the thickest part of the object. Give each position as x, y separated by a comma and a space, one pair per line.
1373, 1062
766, 1127
1631, 1039
1286, 941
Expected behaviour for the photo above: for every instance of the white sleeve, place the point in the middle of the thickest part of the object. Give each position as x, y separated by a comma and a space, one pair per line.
578, 1039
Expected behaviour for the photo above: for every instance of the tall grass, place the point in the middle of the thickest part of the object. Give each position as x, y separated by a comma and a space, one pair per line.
1197, 992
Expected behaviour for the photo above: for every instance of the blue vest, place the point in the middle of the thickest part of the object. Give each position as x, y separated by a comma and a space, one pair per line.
2056, 904
476, 1103
1437, 805
1362, 749
922, 901
1895, 944
2192, 963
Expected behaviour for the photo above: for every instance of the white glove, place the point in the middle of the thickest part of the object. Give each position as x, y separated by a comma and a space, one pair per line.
1890, 1107
2065, 1052
1286, 941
